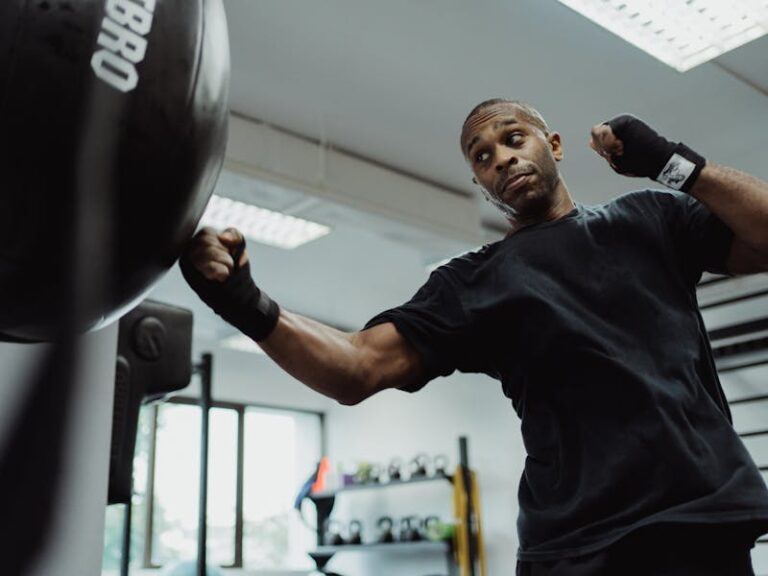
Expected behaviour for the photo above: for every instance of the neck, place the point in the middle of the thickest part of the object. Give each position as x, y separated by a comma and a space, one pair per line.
561, 206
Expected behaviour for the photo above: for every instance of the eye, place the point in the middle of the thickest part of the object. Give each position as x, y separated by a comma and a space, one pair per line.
482, 157
513, 138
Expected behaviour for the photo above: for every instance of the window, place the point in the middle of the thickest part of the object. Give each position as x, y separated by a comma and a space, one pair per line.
176, 484
275, 537
115, 515
258, 459
222, 487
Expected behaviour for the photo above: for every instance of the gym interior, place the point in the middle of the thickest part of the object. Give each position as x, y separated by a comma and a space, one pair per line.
188, 446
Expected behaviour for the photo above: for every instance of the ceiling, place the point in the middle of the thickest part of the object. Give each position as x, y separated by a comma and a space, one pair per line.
392, 82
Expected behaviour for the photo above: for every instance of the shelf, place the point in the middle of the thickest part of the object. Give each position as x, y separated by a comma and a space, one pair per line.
424, 546
378, 485
326, 500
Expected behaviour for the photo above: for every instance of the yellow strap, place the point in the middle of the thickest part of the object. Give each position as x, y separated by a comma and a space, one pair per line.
461, 541
480, 542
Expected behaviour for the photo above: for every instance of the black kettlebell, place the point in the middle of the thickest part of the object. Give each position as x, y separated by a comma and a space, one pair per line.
355, 533
333, 533
410, 529
440, 463
419, 466
375, 474
384, 526
393, 471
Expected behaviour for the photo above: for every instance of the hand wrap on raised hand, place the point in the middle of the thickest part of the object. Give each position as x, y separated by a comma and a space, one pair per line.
648, 154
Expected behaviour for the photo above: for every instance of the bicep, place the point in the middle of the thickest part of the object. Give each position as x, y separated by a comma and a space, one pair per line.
389, 359
742, 259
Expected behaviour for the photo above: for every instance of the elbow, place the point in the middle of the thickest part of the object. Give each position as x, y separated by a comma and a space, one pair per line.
759, 240
758, 243
350, 400
352, 396
365, 384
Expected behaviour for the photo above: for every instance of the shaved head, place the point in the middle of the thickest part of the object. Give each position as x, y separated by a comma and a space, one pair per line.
529, 113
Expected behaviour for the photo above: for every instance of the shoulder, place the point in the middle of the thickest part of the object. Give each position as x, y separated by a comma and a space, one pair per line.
648, 197
466, 264
458, 273
649, 202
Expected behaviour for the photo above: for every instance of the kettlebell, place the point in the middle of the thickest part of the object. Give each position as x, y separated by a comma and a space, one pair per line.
436, 530
440, 463
375, 473
384, 526
355, 530
393, 471
410, 529
363, 473
419, 466
333, 533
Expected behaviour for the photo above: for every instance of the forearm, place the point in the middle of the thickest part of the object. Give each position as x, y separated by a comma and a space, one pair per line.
326, 359
738, 199
348, 367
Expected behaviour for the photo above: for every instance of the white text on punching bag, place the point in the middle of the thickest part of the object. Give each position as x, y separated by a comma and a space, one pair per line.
122, 42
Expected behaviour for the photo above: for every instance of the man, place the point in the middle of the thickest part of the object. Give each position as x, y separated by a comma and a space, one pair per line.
588, 317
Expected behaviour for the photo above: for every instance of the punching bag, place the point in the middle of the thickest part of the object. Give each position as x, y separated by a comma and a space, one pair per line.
112, 109
113, 117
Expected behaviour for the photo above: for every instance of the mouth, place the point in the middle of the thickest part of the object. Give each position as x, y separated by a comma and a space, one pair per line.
515, 183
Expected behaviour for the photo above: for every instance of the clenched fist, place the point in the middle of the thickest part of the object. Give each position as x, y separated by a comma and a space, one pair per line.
215, 265
633, 148
214, 254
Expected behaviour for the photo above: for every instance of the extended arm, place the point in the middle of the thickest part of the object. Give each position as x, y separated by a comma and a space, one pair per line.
346, 366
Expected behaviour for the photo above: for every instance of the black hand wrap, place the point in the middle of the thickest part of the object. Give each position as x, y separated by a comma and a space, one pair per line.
648, 154
237, 300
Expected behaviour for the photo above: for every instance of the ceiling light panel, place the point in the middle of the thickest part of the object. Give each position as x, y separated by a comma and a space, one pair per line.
680, 33
261, 225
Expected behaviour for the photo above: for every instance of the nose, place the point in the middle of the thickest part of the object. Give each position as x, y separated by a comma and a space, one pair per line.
505, 157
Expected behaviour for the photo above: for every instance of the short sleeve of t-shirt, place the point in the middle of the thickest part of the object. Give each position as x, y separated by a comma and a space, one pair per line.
437, 325
702, 240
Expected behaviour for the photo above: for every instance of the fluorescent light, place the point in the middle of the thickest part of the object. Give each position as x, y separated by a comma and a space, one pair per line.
242, 343
261, 225
680, 33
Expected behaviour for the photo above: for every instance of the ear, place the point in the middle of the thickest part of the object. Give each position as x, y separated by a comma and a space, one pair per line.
556, 145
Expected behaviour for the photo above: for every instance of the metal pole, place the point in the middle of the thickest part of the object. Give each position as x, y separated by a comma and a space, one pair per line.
205, 405
125, 559
149, 497
470, 527
240, 487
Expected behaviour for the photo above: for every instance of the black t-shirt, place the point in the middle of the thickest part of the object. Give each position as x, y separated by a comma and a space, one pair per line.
592, 326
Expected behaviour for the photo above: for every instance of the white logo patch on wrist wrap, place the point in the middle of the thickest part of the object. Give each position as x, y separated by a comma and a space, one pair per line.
676, 172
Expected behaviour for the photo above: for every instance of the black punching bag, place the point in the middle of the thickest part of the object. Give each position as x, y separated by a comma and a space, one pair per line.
112, 109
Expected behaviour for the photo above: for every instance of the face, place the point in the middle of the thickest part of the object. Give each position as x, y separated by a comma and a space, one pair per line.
513, 160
